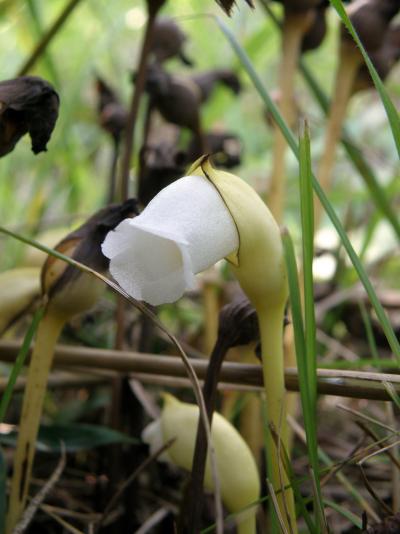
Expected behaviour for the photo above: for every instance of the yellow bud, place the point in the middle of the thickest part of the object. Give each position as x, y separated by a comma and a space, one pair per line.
237, 470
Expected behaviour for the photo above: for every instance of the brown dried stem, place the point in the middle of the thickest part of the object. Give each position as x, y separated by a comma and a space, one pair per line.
352, 384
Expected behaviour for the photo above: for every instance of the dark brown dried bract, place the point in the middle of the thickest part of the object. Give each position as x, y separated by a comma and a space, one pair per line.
86, 242
227, 5
112, 114
238, 323
177, 98
27, 105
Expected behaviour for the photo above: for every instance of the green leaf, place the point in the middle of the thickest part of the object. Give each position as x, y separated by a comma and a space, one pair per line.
75, 437
19, 362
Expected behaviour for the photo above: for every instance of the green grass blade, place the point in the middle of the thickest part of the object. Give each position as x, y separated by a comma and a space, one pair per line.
19, 362
307, 224
310, 332
391, 111
287, 133
344, 512
307, 395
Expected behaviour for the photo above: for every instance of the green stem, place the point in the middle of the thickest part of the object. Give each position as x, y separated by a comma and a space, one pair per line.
271, 331
39, 368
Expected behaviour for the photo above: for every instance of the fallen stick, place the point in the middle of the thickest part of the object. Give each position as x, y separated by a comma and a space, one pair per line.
353, 384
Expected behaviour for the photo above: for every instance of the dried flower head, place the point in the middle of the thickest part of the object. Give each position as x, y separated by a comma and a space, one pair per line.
112, 114
168, 41
27, 105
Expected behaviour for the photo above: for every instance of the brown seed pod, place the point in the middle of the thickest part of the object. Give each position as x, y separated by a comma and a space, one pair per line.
383, 60
178, 99
168, 41
27, 105
314, 36
206, 81
370, 19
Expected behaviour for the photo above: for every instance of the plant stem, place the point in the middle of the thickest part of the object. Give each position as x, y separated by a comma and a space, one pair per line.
128, 148
349, 62
112, 180
39, 368
193, 501
294, 27
47, 37
211, 310
271, 331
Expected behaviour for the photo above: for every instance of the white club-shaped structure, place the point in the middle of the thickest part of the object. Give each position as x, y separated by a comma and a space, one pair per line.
184, 230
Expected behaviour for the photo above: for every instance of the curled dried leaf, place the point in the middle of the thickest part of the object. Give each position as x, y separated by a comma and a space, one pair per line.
27, 105
84, 245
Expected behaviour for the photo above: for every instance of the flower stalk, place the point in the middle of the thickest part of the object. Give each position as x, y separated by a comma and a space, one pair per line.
258, 264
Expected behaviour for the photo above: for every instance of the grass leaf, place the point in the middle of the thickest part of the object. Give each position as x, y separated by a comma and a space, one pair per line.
19, 362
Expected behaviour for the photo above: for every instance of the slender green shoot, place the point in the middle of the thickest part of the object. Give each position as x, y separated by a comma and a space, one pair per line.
307, 395
19, 363
344, 512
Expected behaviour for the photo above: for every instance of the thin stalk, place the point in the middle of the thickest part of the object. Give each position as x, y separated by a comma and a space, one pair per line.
39, 368
250, 425
349, 63
128, 148
193, 501
112, 180
47, 37
294, 27
271, 333
211, 310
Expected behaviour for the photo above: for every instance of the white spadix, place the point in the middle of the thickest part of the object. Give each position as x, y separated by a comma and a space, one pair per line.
184, 230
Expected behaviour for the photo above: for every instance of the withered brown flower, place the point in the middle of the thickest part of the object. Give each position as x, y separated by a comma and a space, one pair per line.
84, 245
112, 114
27, 105
168, 41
